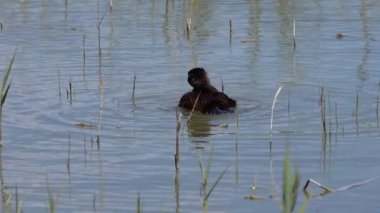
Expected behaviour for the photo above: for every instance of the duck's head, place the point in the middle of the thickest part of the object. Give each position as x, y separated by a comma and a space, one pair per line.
198, 79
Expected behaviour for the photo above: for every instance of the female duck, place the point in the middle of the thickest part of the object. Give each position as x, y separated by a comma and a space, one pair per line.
210, 100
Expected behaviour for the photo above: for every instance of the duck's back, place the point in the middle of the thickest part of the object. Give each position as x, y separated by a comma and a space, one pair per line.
208, 102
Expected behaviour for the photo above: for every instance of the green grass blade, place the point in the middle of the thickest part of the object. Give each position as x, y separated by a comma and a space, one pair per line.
7, 72
290, 185
5, 94
209, 163
304, 205
139, 210
295, 184
287, 185
216, 183
201, 167
51, 202
18, 202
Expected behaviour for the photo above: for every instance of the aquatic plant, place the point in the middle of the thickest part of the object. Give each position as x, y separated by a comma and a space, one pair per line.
59, 85
138, 203
230, 30
290, 185
205, 179
111, 4
52, 200
322, 105
18, 202
133, 89
98, 25
192, 111
294, 35
4, 89
69, 92
271, 118
5, 85
187, 28
7, 201
178, 127
356, 112
84, 54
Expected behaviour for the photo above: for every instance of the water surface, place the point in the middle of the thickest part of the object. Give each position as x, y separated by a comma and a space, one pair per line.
44, 147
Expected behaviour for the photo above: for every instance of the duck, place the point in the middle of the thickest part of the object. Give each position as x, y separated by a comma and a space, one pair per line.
210, 100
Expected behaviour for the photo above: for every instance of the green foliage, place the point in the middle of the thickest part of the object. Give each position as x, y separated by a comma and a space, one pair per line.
139, 210
205, 176
52, 200
5, 85
290, 186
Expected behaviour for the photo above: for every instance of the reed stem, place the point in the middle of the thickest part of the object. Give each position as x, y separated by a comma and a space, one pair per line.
294, 35
273, 104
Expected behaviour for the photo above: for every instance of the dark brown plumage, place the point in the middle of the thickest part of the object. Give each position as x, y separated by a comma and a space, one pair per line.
210, 99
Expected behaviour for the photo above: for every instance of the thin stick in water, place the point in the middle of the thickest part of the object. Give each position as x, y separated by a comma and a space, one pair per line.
230, 24
134, 87
222, 85
139, 210
196, 101
294, 34
84, 53
327, 189
377, 110
357, 112
323, 116
188, 27
68, 156
59, 85
178, 127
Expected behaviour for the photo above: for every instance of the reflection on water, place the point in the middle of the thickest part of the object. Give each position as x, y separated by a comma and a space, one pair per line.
58, 46
199, 127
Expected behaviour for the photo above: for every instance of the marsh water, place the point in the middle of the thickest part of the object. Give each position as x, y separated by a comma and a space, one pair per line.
76, 128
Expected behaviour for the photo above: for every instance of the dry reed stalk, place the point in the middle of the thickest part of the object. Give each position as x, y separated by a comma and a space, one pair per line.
294, 34
274, 102
230, 30
139, 210
222, 85
176, 155
134, 88
68, 156
4, 89
84, 53
325, 188
377, 110
188, 27
59, 85
192, 111
323, 116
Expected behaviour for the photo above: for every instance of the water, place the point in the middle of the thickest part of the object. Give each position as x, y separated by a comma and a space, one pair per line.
44, 148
